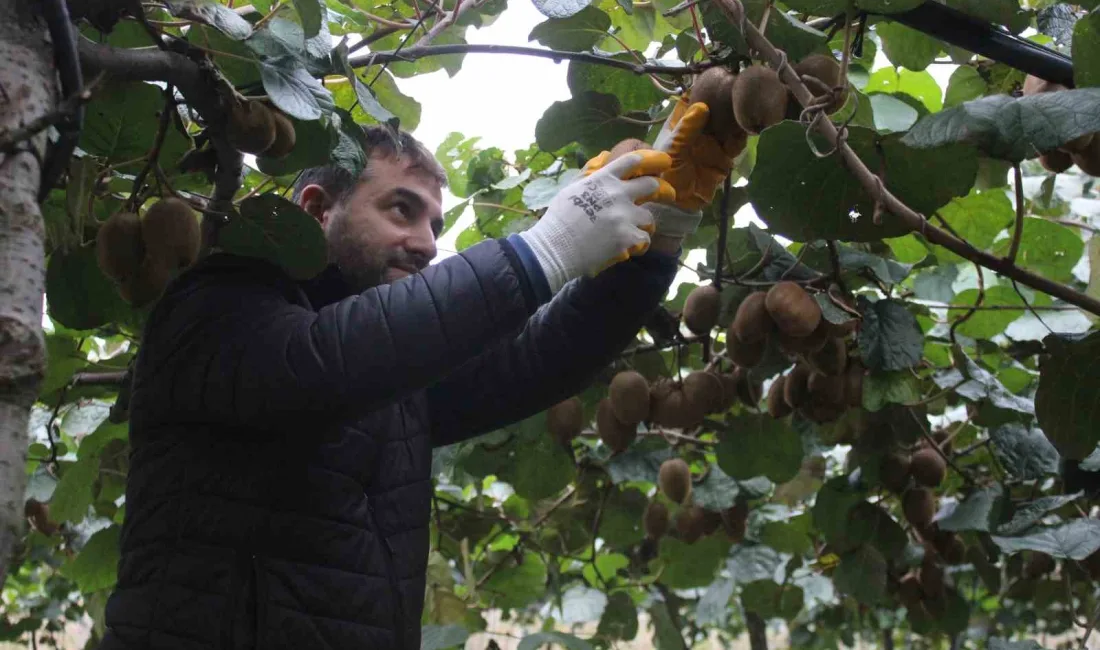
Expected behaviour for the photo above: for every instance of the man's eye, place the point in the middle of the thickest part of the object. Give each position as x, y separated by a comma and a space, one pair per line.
403, 209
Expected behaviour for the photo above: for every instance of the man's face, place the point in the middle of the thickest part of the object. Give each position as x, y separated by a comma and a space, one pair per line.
386, 229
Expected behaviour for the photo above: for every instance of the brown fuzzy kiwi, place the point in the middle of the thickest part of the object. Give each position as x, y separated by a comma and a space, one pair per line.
931, 577
950, 546
826, 390
629, 395
893, 471
285, 136
803, 345
119, 247
655, 520
746, 355
1089, 158
565, 419
735, 521
691, 522
919, 506
1038, 565
729, 390
703, 391
942, 439
796, 390
674, 479
752, 323
145, 286
928, 468
853, 383
615, 434
1092, 565
669, 407
251, 127
820, 412
749, 390
794, 311
777, 406
1056, 161
701, 309
38, 516
910, 591
759, 99
714, 87
625, 147
171, 233
827, 69
831, 359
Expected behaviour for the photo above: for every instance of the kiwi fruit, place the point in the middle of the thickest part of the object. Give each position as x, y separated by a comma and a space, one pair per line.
655, 520
749, 390
615, 434
777, 405
1088, 159
145, 286
746, 355
690, 523
803, 345
931, 577
669, 407
701, 308
853, 383
1035, 85
38, 516
796, 389
625, 147
752, 323
729, 390
1038, 565
950, 547
171, 233
674, 479
827, 69
919, 506
928, 467
712, 521
1056, 161
703, 392
759, 99
826, 390
629, 395
714, 87
251, 127
735, 521
910, 591
894, 471
285, 136
119, 246
831, 359
794, 311
565, 420
821, 412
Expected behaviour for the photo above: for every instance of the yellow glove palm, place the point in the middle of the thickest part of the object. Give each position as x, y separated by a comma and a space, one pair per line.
700, 161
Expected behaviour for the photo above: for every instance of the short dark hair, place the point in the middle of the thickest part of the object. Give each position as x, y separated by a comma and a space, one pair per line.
380, 140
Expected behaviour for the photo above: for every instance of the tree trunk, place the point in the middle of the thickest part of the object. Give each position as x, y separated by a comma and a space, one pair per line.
28, 90
758, 631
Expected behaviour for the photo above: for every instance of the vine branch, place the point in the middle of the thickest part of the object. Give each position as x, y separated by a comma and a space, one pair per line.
154, 152
1018, 232
914, 221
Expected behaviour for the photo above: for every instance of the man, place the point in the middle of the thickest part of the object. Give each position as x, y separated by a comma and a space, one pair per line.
279, 489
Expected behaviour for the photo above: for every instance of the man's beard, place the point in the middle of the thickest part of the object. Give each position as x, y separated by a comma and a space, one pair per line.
362, 265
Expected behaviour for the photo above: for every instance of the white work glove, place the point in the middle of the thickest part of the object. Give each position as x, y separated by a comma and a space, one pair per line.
596, 221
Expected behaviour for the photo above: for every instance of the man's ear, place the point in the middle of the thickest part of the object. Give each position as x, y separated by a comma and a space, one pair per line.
316, 202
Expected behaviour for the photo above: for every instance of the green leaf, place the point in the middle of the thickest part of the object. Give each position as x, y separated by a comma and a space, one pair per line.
314, 141
771, 600
75, 491
759, 445
235, 59
937, 283
890, 337
121, 124
880, 389
716, 492
666, 632
441, 637
275, 229
516, 586
1029, 513
887, 6
539, 639
986, 324
917, 85
581, 604
713, 607
560, 8
788, 536
96, 567
1025, 453
892, 115
309, 11
999, 12
965, 84
977, 218
538, 193
684, 565
980, 385
294, 90
620, 618
574, 32
401, 105
1047, 248
798, 39
367, 100
1005, 644
78, 294
214, 14
590, 119
887, 271
906, 47
635, 92
1074, 540
832, 507
978, 511
64, 359
1086, 51
803, 197
1012, 128
1068, 397
862, 575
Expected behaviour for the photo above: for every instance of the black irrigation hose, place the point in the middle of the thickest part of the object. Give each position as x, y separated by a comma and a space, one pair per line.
991, 41
62, 33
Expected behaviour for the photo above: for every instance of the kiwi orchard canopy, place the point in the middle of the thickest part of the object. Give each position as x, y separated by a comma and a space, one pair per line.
866, 417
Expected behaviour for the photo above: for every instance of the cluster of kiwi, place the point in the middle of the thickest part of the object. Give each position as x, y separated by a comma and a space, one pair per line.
141, 254
259, 129
692, 521
1083, 151
825, 381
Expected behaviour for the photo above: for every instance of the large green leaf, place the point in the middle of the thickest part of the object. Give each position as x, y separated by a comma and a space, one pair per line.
1075, 540
577, 32
977, 217
620, 617
517, 585
1024, 452
760, 445
95, 567
862, 575
214, 14
78, 294
965, 84
590, 118
1047, 248
890, 337
310, 13
560, 8
986, 324
294, 90
272, 228
978, 511
1067, 402
441, 637
833, 506
635, 92
1029, 513
771, 600
804, 197
684, 565
999, 12
1086, 51
1012, 128
797, 39
906, 47
314, 141
122, 123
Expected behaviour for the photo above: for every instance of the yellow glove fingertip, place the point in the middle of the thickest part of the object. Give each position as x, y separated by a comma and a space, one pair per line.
653, 163
596, 162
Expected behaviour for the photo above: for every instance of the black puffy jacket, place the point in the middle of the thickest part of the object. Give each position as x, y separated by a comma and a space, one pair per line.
280, 480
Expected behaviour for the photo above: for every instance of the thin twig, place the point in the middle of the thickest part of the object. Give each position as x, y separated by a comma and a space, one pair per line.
723, 228
834, 260
1018, 232
977, 303
1029, 307
154, 152
112, 378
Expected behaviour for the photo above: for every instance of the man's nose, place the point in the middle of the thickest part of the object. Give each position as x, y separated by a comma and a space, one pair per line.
421, 245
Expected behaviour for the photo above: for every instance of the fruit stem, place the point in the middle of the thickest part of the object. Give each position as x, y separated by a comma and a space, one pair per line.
154, 153
1018, 232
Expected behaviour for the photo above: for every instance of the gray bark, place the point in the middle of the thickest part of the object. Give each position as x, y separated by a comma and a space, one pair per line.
28, 90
